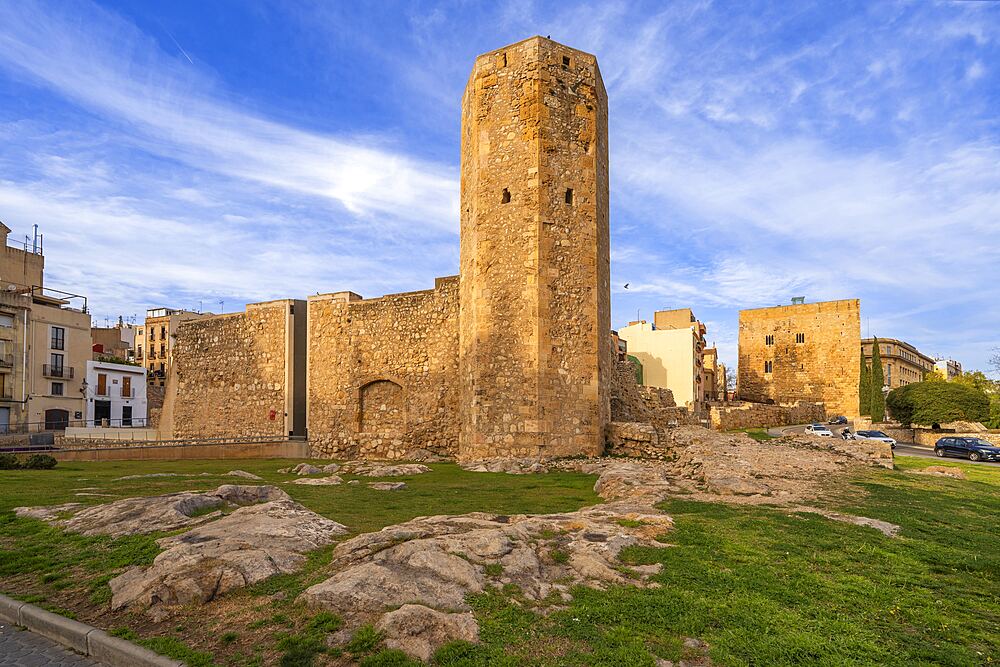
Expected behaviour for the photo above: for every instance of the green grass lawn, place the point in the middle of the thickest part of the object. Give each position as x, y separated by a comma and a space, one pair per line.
761, 586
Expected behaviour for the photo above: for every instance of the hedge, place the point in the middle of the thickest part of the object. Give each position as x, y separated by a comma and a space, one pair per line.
937, 402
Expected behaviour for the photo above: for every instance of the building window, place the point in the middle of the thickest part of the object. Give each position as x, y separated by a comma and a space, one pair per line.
126, 387
56, 362
163, 333
505, 197
57, 388
58, 338
768, 340
768, 366
102, 384
163, 350
800, 338
569, 195
138, 351
6, 320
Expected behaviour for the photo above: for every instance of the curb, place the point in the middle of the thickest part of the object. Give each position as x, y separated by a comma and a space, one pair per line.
80, 637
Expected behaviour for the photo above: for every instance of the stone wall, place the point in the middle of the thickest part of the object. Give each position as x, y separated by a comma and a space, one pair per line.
744, 414
383, 374
229, 375
813, 353
535, 315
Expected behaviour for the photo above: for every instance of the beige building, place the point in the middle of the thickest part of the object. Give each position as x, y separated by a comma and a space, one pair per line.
949, 368
116, 341
802, 352
512, 357
671, 351
44, 345
154, 340
902, 363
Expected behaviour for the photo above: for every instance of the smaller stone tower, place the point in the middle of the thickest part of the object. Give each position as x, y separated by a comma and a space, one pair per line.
534, 320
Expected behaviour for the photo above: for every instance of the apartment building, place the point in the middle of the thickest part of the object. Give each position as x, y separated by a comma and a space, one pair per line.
670, 350
117, 341
154, 340
44, 343
949, 368
902, 363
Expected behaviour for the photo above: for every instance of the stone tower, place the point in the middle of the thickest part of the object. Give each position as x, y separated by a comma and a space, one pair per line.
534, 319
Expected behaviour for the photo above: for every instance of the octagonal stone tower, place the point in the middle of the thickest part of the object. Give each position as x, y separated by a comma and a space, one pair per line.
534, 319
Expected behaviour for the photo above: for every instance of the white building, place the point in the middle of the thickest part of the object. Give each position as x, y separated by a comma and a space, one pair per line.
949, 368
116, 393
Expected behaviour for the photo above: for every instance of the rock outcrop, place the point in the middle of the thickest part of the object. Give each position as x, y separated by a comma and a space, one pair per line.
387, 486
524, 466
332, 480
435, 562
368, 469
419, 631
136, 516
240, 549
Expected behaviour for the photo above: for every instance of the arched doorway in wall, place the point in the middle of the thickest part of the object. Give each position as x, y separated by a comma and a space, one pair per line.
56, 420
381, 408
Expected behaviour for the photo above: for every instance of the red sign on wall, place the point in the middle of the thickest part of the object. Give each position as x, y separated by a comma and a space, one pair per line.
271, 415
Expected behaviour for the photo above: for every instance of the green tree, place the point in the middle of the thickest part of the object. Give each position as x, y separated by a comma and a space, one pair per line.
926, 403
865, 389
877, 398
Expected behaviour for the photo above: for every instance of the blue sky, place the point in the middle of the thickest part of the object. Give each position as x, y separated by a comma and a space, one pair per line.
189, 153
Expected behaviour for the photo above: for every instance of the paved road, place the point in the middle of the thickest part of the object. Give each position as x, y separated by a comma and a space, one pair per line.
902, 448
21, 648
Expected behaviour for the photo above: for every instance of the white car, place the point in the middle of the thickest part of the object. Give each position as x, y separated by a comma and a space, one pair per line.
819, 429
875, 435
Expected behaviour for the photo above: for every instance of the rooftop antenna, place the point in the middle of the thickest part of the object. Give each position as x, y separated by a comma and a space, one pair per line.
222, 306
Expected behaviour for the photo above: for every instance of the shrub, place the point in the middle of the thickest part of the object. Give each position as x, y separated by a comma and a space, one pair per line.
937, 402
40, 462
9, 462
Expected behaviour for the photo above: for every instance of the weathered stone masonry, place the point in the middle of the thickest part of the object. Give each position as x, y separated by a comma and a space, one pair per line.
383, 373
535, 357
235, 374
511, 358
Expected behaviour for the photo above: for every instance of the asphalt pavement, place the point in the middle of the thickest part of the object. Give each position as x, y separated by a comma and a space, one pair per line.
902, 448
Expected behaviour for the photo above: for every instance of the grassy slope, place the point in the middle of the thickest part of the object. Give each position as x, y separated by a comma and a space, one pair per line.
760, 586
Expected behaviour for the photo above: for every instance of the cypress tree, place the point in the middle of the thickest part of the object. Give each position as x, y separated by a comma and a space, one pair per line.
864, 389
877, 380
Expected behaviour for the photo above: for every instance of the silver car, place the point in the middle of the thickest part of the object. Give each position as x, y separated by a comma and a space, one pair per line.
819, 429
875, 435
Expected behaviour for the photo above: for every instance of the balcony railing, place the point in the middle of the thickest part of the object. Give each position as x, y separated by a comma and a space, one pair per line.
50, 371
6, 360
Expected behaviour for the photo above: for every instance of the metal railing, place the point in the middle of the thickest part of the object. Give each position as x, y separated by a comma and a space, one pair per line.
50, 371
62, 425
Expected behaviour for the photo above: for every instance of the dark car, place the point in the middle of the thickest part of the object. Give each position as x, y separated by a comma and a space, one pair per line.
839, 419
974, 449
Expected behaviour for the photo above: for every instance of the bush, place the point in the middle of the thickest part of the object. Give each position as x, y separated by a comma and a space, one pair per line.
938, 402
9, 462
40, 462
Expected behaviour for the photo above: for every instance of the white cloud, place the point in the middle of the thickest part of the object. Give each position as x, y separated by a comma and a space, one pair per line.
181, 116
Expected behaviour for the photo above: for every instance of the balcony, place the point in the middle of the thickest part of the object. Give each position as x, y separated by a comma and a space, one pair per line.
63, 372
6, 360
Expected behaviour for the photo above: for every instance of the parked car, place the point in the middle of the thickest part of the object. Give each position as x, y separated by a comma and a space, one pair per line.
974, 449
875, 435
819, 429
839, 419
